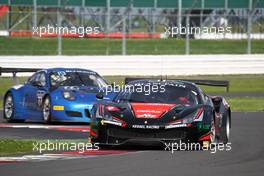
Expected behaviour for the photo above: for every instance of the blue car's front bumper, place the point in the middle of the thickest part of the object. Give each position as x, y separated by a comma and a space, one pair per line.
71, 111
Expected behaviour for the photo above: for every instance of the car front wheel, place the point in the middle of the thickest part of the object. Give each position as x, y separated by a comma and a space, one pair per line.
9, 107
46, 110
226, 130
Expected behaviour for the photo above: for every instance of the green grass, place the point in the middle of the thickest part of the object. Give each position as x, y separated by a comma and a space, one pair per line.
91, 46
18, 146
6, 83
10, 146
246, 104
238, 84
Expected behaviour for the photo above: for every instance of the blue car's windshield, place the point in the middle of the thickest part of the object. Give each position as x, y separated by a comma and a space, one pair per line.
76, 78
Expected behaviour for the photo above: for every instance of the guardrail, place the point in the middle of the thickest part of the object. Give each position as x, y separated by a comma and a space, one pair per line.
14, 71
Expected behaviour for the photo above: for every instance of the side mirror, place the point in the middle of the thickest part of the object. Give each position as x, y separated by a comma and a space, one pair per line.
100, 95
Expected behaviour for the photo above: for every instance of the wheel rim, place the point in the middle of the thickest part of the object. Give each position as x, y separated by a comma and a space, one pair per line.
46, 109
212, 133
9, 107
227, 128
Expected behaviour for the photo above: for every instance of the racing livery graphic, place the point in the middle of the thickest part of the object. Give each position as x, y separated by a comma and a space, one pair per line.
58, 94
181, 112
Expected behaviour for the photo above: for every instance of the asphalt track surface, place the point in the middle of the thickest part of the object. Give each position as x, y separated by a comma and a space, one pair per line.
38, 133
18, 133
245, 158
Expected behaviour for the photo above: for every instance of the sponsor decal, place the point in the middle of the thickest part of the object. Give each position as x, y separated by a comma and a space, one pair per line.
80, 71
177, 126
150, 110
58, 108
146, 126
138, 126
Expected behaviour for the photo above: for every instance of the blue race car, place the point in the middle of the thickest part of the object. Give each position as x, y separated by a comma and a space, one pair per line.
58, 94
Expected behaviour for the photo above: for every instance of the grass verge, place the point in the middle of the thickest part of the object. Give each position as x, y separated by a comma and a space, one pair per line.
10, 146
246, 104
93, 46
14, 146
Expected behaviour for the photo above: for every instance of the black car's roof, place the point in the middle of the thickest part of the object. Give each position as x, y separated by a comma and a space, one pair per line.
150, 81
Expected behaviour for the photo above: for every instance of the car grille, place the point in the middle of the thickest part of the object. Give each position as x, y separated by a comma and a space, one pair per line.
147, 133
73, 113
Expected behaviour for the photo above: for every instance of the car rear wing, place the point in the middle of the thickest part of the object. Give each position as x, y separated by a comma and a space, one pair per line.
14, 71
218, 83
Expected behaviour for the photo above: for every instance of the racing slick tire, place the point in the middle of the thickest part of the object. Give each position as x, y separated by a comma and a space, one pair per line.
9, 108
102, 136
226, 130
46, 110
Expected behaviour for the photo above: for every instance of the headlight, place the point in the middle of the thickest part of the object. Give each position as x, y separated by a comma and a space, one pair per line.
68, 95
187, 120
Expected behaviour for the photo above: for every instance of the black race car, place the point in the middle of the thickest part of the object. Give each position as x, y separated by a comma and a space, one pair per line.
173, 110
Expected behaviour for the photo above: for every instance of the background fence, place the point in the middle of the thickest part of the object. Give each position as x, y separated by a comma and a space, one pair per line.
121, 21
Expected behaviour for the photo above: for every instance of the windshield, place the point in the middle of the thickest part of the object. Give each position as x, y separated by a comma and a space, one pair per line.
76, 78
171, 95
